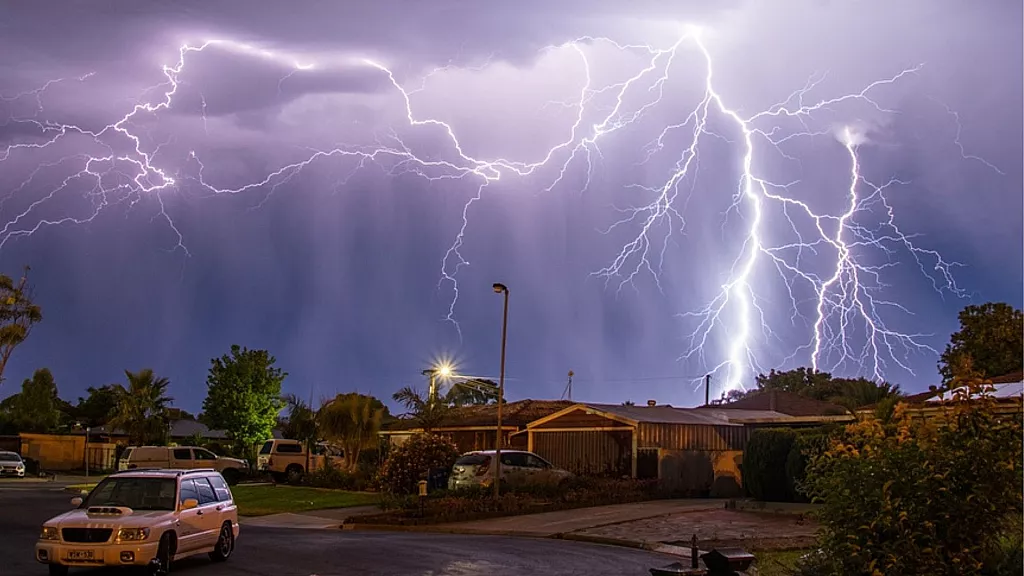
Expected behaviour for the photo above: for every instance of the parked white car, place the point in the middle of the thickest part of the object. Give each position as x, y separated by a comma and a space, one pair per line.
11, 464
518, 468
143, 518
183, 457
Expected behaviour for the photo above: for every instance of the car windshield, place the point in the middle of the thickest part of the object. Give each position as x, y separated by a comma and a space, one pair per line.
134, 493
9, 457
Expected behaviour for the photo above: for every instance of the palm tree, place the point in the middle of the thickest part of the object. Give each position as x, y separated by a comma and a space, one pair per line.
353, 421
301, 423
857, 393
427, 412
141, 408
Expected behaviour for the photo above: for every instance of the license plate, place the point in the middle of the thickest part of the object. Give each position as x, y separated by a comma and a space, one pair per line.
80, 555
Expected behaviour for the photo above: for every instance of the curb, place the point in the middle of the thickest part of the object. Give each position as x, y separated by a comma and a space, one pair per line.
441, 529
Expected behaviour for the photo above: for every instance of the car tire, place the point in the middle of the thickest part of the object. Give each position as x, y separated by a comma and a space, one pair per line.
164, 554
293, 473
231, 476
58, 570
225, 544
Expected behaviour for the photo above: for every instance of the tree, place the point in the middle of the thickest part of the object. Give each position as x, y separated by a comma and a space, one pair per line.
18, 313
412, 461
37, 408
244, 395
301, 423
353, 421
992, 335
427, 412
472, 392
850, 393
141, 410
629, 403
95, 409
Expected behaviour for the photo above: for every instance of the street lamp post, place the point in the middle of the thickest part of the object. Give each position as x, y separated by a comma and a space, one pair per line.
500, 289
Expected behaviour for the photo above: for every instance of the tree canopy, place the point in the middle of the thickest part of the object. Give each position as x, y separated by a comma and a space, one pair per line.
992, 336
37, 408
351, 420
18, 313
96, 408
141, 408
847, 392
244, 395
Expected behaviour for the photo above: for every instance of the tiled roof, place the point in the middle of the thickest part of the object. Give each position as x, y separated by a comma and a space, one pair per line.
519, 413
784, 402
662, 414
1006, 386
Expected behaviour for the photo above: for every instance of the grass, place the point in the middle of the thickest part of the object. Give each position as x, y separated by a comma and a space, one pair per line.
260, 500
777, 562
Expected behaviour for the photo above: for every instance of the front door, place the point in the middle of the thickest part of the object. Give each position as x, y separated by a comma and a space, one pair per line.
191, 523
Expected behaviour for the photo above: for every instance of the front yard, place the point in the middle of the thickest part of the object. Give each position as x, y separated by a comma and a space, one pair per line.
263, 499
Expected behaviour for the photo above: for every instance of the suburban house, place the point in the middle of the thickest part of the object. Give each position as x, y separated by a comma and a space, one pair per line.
693, 449
1007, 391
474, 427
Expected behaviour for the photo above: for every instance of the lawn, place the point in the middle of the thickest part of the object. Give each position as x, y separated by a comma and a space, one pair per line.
260, 500
777, 562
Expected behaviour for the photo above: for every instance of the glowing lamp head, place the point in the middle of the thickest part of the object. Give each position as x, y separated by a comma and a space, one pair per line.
444, 370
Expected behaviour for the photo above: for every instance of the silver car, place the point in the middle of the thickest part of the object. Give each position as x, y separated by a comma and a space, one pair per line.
518, 468
11, 464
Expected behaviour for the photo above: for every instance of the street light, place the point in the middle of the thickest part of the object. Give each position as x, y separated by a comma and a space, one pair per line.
442, 370
500, 289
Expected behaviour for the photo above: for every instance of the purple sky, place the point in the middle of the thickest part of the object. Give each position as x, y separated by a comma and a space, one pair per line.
665, 192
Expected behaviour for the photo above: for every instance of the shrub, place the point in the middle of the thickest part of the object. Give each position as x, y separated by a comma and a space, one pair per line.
921, 496
329, 475
411, 461
764, 464
806, 447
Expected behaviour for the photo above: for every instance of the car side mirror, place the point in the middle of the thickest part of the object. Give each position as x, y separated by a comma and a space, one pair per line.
76, 501
189, 504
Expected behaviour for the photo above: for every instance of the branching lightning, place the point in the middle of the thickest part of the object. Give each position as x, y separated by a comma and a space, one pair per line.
860, 242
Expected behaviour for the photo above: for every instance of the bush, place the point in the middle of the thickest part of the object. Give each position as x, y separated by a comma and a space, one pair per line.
922, 496
329, 475
764, 464
411, 461
806, 447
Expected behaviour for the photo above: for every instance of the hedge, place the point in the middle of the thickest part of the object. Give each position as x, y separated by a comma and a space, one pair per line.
775, 461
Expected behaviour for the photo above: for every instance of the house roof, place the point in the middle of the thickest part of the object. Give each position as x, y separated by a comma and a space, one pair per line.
518, 413
786, 403
663, 414
1006, 387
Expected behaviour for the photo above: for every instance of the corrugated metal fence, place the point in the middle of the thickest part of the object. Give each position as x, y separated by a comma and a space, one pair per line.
587, 452
692, 437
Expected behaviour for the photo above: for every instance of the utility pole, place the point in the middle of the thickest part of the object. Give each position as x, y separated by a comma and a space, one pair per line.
707, 389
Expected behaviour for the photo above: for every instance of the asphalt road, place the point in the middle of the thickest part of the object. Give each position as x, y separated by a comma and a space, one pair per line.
284, 552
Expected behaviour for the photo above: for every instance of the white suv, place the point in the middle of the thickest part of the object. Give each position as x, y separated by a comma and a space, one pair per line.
143, 518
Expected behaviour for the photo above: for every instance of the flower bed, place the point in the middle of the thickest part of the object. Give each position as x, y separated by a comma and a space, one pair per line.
476, 504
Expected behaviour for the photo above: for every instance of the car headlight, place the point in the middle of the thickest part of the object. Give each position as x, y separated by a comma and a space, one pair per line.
49, 533
132, 534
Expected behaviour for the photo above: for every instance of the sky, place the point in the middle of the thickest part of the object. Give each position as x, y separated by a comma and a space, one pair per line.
668, 191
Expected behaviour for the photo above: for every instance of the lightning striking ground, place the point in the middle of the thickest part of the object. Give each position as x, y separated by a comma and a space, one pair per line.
728, 336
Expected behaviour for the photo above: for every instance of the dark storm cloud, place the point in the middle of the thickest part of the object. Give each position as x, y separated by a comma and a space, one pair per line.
338, 274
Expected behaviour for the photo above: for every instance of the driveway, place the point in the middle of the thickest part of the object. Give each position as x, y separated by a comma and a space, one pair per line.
286, 552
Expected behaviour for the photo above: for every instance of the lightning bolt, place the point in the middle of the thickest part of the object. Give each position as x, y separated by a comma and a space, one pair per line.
849, 301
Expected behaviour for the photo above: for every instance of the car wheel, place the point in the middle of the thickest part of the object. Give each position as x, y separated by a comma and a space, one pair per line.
231, 476
225, 544
58, 570
293, 473
164, 554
